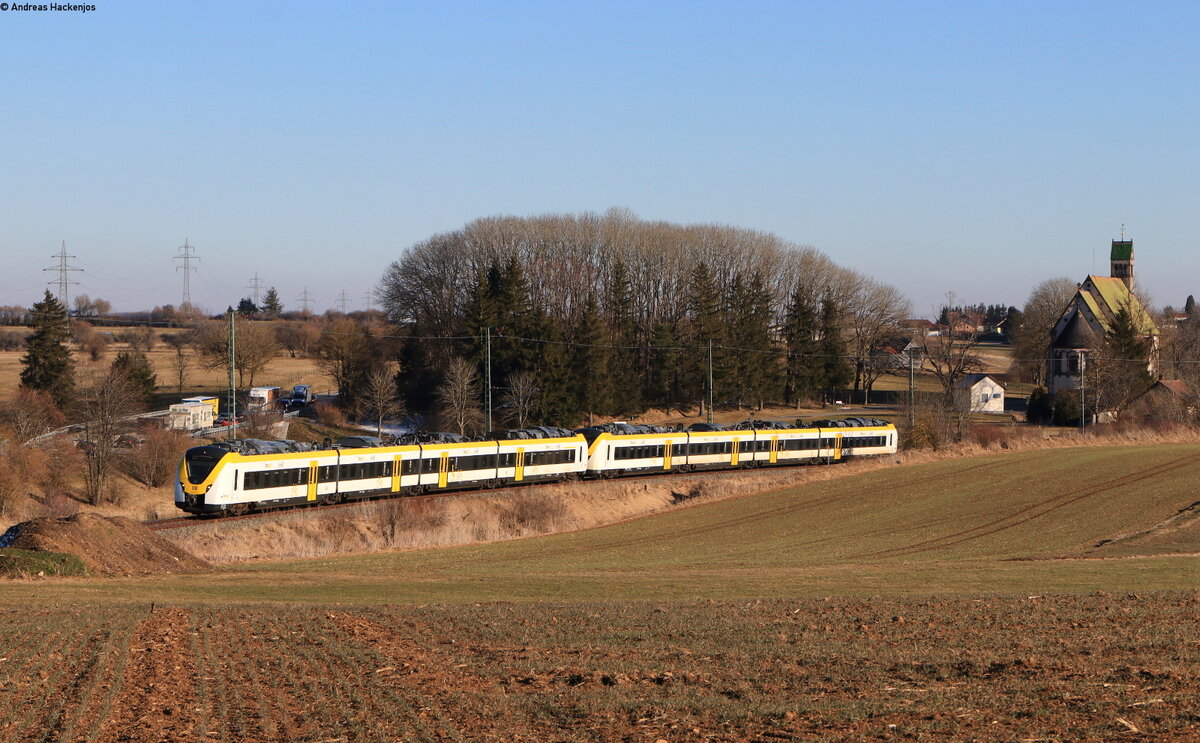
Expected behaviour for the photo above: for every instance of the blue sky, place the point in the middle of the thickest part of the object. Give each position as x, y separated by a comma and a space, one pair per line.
966, 147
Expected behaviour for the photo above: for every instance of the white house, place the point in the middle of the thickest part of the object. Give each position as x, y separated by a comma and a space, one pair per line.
984, 394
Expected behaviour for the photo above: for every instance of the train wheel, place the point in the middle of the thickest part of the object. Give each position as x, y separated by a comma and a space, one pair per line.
239, 509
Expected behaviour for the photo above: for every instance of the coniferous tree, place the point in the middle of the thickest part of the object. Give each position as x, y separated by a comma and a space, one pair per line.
761, 366
558, 403
835, 367
707, 326
804, 364
136, 368
518, 320
271, 304
623, 337
47, 363
1189, 306
479, 319
664, 383
590, 363
247, 307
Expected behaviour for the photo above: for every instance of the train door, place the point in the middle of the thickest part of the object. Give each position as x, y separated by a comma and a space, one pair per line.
733, 448
520, 471
667, 446
774, 449
312, 480
443, 469
396, 474
837, 446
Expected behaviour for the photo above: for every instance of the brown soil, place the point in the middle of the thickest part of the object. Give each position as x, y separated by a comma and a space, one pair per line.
153, 703
107, 545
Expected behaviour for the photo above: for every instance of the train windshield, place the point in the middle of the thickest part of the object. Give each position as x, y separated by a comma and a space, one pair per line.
201, 461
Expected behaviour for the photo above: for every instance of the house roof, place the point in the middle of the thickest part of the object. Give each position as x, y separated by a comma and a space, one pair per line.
1177, 387
970, 380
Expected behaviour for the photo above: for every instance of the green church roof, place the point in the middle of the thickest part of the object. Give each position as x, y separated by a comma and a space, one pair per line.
1122, 250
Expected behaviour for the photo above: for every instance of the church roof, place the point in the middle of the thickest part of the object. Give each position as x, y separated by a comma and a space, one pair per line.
1105, 296
1077, 334
1122, 250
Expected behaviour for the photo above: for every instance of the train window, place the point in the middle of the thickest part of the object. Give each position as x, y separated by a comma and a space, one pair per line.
429, 466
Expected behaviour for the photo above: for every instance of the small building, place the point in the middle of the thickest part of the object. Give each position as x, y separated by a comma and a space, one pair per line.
190, 416
982, 393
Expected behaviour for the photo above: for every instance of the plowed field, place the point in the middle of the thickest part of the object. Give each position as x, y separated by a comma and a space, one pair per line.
1030, 668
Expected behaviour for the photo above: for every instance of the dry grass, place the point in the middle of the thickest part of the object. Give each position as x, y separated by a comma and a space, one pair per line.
284, 371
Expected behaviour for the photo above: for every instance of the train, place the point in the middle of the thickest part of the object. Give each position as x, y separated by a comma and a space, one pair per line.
244, 475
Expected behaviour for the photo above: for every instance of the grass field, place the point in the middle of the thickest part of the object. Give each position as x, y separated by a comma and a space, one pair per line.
1036, 595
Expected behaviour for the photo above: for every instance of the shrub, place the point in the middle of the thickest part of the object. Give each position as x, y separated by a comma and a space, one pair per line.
12, 340
1040, 410
330, 414
154, 463
991, 436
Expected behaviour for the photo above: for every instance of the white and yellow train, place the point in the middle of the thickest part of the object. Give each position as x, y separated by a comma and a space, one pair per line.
251, 474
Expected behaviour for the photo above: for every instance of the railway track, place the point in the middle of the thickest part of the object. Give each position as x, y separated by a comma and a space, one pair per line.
181, 522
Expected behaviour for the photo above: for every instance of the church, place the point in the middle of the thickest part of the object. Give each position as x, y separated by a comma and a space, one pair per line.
1087, 320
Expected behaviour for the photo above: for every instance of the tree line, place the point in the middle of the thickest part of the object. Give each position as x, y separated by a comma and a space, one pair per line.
609, 315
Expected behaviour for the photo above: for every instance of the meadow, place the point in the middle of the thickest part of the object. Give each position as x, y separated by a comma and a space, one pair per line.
1022, 595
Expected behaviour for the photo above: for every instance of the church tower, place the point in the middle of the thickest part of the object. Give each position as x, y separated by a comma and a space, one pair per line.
1121, 262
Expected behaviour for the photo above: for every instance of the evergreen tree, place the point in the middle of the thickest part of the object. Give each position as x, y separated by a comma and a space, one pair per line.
47, 362
624, 355
804, 364
763, 368
247, 307
271, 304
706, 326
1189, 306
479, 318
753, 375
1012, 322
664, 383
590, 363
136, 368
517, 319
835, 368
558, 402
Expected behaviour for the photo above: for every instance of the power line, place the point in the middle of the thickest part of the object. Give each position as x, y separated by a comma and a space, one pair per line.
343, 301
187, 257
63, 280
255, 286
305, 301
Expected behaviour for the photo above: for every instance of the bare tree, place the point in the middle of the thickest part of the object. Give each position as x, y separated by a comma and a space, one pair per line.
951, 357
521, 398
154, 462
381, 395
458, 397
254, 347
875, 311
1031, 339
29, 414
105, 406
181, 363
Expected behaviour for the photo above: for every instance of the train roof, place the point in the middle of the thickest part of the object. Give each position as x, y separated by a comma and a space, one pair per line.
533, 432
